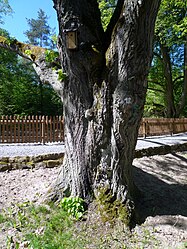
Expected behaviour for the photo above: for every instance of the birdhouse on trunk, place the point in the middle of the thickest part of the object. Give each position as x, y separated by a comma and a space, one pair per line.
71, 29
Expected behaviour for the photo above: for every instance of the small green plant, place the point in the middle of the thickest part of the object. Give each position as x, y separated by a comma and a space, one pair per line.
61, 76
9, 242
2, 218
74, 206
185, 245
16, 217
50, 55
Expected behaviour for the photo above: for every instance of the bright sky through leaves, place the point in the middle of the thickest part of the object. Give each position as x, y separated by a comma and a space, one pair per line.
16, 24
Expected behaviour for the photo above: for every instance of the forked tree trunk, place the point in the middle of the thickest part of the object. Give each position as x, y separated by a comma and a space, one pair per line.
103, 95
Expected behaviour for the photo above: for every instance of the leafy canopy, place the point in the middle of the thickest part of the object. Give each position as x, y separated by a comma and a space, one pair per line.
5, 9
107, 9
170, 33
172, 22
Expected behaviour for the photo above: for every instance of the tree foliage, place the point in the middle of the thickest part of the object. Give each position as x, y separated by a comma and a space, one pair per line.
171, 22
167, 80
40, 33
22, 92
20, 89
107, 9
5, 9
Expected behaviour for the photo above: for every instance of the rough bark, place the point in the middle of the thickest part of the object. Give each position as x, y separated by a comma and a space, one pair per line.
103, 95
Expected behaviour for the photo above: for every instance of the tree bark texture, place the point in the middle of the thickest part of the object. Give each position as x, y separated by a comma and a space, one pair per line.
170, 105
103, 95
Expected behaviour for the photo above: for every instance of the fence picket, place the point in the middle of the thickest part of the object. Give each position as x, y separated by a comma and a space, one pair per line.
3, 130
162, 126
31, 129
44, 129
61, 137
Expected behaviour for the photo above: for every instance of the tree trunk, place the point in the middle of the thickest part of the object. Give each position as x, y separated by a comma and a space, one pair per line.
103, 96
170, 105
183, 101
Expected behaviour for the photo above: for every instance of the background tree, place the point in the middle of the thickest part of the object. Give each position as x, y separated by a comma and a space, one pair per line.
20, 87
168, 76
40, 33
5, 9
103, 95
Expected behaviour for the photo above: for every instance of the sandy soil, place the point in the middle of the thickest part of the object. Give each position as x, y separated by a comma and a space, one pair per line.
162, 180
23, 185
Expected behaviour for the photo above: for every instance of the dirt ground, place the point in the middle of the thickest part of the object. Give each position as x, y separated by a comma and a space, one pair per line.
163, 182
161, 179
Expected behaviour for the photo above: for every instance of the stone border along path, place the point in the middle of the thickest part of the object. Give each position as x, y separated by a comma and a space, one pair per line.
29, 162
28, 156
161, 150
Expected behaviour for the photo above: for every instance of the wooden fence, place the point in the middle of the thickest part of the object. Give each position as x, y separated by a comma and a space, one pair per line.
162, 126
31, 129
44, 129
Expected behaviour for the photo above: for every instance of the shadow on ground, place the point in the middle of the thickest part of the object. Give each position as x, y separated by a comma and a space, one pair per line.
163, 183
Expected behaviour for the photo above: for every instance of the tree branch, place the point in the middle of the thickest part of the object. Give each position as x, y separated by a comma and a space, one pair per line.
158, 56
112, 23
37, 55
13, 48
155, 82
178, 78
156, 90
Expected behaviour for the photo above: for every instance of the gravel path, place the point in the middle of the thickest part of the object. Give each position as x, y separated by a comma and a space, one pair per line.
13, 150
161, 140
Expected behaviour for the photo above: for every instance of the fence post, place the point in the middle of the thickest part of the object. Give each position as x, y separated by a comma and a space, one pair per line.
43, 129
36, 130
51, 129
3, 129
61, 131
15, 128
18, 130
144, 129
47, 129
0, 129
173, 126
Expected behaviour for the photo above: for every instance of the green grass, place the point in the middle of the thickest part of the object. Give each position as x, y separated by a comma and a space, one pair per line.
48, 227
2, 218
51, 227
